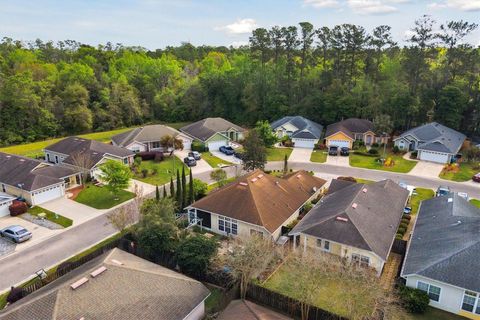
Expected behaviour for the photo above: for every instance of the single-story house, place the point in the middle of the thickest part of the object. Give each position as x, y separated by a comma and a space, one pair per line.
214, 132
86, 154
354, 221
148, 138
303, 132
247, 310
433, 142
35, 181
256, 203
345, 132
6, 201
116, 285
443, 255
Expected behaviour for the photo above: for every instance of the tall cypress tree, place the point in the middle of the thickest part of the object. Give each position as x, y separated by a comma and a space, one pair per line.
172, 188
157, 193
191, 194
184, 188
165, 192
178, 197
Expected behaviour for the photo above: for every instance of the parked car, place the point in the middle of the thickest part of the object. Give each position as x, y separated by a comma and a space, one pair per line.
190, 161
227, 150
332, 150
16, 233
195, 155
442, 191
476, 177
344, 151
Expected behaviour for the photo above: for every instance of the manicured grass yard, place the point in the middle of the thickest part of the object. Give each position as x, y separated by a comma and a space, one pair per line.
365, 181
214, 161
101, 197
435, 314
318, 156
368, 162
465, 173
213, 300
215, 185
164, 170
422, 194
58, 219
475, 202
278, 154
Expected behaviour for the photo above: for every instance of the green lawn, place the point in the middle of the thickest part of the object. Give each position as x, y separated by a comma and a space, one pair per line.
214, 161
278, 154
215, 185
35, 148
101, 197
466, 172
58, 219
422, 194
435, 314
475, 202
213, 300
365, 181
363, 161
318, 156
164, 170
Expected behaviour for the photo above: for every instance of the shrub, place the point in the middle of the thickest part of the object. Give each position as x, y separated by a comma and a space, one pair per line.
401, 230
414, 155
404, 225
407, 216
396, 149
357, 144
199, 146
320, 146
288, 143
195, 253
399, 236
17, 208
286, 229
15, 294
375, 145
406, 221
144, 173
149, 155
351, 179
154, 171
414, 300
373, 151
137, 161
158, 157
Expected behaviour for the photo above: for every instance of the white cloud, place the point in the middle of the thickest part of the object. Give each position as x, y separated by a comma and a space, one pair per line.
372, 6
464, 5
322, 3
241, 26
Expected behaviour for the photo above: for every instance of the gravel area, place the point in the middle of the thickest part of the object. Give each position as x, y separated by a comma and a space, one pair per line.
41, 222
6, 246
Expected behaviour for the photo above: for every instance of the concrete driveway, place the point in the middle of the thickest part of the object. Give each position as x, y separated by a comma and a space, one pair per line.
224, 157
202, 165
78, 212
427, 169
338, 161
300, 155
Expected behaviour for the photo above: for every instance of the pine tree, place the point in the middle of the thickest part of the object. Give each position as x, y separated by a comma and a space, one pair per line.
184, 188
178, 197
157, 193
285, 165
172, 188
165, 192
191, 195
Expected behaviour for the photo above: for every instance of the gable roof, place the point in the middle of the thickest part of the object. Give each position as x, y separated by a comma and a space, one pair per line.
206, 128
262, 199
436, 137
371, 225
350, 126
307, 129
93, 150
247, 310
30, 173
136, 289
144, 134
445, 242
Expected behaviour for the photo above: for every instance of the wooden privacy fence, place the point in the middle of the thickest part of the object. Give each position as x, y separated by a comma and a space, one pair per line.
399, 246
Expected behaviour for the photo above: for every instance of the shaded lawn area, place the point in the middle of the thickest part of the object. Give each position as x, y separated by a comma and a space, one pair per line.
435, 314
422, 194
215, 185
475, 202
58, 219
466, 172
365, 181
213, 300
214, 161
318, 156
370, 162
101, 197
164, 170
278, 154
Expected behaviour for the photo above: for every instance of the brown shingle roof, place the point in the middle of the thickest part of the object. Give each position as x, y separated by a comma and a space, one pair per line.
148, 133
206, 128
349, 127
262, 199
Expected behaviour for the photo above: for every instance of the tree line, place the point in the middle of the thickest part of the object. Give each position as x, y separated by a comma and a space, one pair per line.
52, 89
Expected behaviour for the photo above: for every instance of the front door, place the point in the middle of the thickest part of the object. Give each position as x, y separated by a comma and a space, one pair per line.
368, 140
411, 146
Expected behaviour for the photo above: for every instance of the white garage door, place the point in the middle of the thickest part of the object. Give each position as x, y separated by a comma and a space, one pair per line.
4, 211
339, 143
215, 145
46, 195
304, 143
187, 144
434, 156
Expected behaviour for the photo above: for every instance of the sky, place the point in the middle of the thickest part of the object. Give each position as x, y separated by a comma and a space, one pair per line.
159, 23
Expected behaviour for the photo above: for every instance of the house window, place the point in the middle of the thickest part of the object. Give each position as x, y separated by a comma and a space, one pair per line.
227, 225
323, 244
56, 159
471, 302
155, 144
433, 291
125, 161
363, 261
3, 188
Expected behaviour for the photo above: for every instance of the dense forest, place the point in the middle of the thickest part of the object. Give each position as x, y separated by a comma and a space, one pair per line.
325, 74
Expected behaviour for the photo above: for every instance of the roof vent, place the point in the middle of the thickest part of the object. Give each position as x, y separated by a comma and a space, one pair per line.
299, 176
79, 283
450, 200
22, 160
117, 262
254, 179
260, 176
341, 219
277, 183
243, 184
98, 271
364, 190
354, 205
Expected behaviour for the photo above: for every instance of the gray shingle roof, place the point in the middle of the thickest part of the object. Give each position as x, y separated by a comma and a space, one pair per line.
436, 137
349, 127
303, 125
137, 289
445, 244
372, 225
206, 128
144, 134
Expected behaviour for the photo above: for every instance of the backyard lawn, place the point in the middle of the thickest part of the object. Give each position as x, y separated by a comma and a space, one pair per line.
58, 219
278, 154
215, 185
370, 162
214, 161
466, 172
435, 314
101, 197
318, 156
159, 173
422, 194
